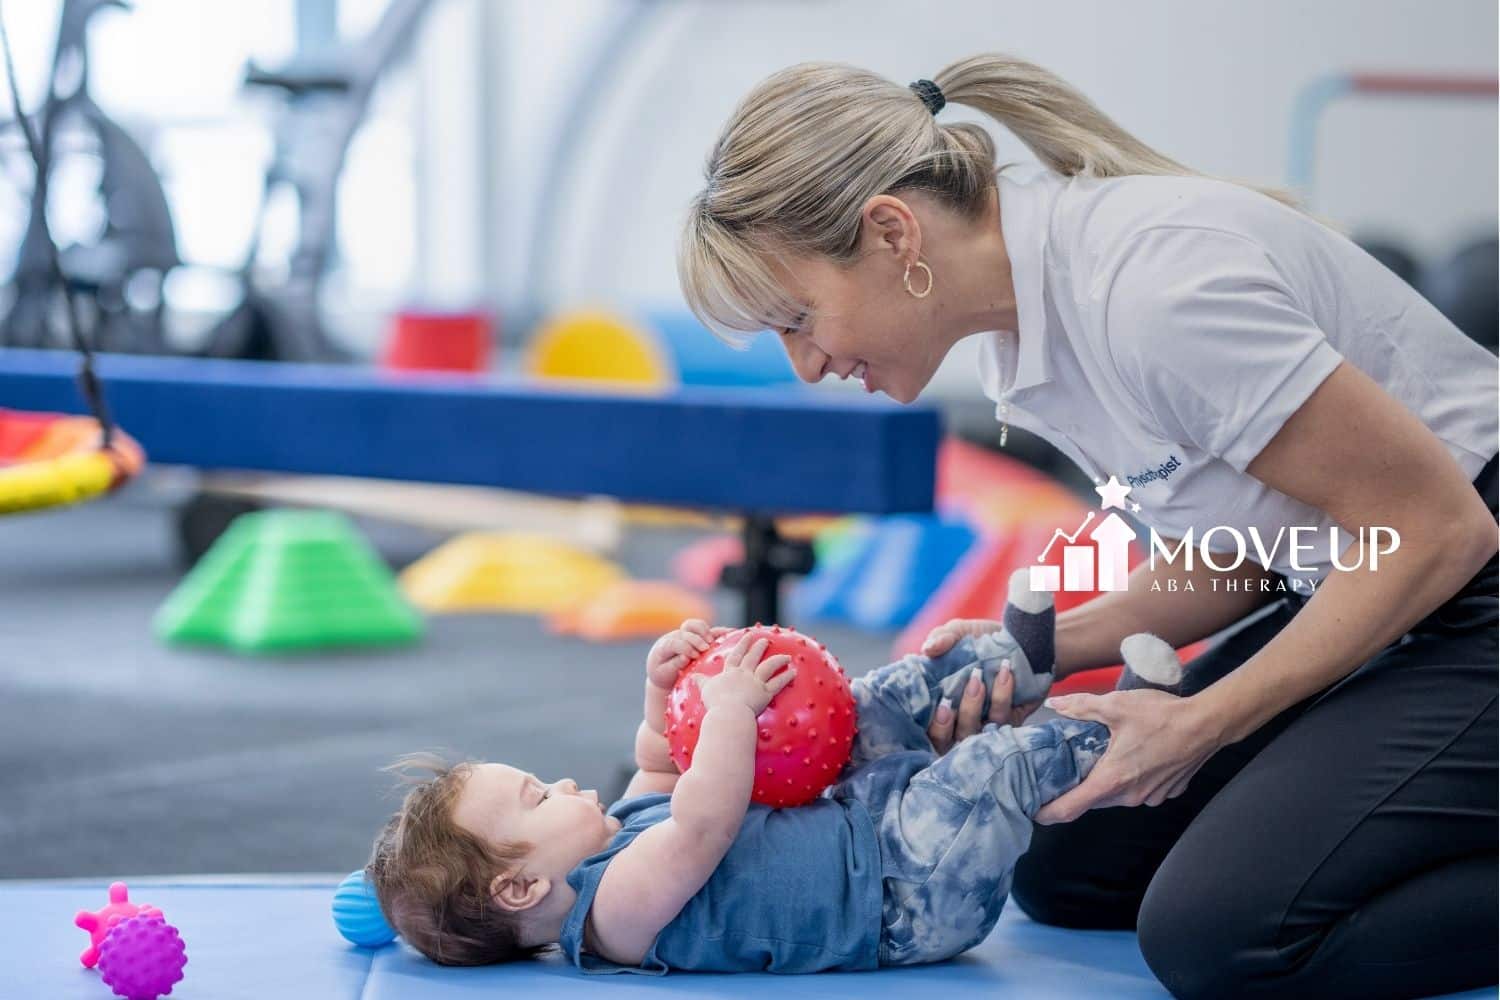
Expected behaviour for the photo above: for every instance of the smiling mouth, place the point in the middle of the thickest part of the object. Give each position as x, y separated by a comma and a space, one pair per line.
862, 372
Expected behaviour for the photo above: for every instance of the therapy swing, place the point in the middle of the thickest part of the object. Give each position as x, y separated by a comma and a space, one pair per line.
54, 459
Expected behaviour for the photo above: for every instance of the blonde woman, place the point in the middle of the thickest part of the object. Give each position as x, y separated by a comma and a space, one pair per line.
1321, 820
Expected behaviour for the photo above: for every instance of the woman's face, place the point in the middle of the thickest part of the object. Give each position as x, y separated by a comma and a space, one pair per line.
858, 325
861, 321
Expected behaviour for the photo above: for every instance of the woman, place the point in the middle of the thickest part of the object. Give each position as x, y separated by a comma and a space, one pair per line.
1322, 818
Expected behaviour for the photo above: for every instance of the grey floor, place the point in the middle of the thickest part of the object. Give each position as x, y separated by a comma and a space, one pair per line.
120, 757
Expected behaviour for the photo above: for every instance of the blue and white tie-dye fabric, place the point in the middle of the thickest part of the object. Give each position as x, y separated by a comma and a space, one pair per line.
951, 828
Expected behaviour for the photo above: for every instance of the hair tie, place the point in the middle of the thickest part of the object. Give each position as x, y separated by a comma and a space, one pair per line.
931, 95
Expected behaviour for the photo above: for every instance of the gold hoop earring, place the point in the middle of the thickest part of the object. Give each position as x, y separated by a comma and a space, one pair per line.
906, 280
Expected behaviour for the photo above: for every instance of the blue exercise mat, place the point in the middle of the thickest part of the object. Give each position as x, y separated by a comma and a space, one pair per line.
250, 940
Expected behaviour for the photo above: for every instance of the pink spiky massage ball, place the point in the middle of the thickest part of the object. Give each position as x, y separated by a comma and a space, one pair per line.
142, 957
101, 921
805, 734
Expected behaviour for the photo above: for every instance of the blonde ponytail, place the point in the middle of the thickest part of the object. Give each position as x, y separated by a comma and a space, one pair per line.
1065, 129
809, 145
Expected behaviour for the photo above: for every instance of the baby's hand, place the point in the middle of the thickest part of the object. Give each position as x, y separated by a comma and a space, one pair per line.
747, 679
677, 649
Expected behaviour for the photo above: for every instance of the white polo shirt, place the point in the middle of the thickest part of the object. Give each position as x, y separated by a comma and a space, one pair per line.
1169, 326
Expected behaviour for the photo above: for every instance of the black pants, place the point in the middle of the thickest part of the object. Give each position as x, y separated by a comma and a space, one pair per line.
1346, 849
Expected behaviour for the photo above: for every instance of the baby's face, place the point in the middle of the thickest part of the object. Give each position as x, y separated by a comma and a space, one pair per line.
563, 824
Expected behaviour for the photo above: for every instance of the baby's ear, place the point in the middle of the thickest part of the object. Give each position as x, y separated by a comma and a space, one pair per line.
518, 892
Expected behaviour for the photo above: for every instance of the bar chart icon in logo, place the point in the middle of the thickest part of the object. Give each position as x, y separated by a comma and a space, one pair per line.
1102, 563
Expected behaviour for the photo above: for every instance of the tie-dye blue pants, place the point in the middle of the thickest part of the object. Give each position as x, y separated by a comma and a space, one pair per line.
951, 828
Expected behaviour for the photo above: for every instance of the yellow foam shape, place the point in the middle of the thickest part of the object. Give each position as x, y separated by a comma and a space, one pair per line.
526, 574
597, 346
632, 609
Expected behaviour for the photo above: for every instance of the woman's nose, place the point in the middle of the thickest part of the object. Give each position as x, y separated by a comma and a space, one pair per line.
569, 786
808, 362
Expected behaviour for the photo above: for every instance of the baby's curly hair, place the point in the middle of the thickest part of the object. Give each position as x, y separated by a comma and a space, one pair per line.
432, 876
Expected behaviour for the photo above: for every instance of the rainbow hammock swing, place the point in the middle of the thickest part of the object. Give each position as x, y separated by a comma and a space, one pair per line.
55, 459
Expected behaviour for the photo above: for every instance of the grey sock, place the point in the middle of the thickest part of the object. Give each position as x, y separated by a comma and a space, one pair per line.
1031, 621
1150, 662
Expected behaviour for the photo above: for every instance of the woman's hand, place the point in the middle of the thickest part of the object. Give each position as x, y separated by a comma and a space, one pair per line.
942, 638
948, 728
1157, 742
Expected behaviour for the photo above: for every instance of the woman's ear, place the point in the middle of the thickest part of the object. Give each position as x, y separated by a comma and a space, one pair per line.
517, 892
889, 226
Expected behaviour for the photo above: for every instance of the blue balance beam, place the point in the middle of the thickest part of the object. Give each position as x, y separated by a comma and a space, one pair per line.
760, 452
755, 450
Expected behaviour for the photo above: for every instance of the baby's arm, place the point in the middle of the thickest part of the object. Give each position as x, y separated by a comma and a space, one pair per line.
648, 883
657, 772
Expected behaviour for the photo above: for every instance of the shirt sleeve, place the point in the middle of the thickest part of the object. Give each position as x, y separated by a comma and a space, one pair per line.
1210, 342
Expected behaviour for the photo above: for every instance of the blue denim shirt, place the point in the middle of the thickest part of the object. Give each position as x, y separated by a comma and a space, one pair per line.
799, 891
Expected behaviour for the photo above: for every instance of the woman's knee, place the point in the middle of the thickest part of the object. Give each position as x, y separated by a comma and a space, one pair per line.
1197, 935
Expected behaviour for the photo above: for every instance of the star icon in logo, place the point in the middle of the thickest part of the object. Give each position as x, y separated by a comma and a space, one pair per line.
1112, 494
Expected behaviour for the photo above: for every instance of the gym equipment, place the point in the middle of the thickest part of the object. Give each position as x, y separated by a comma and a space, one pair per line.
806, 732
287, 580
700, 565
1315, 97
630, 609
526, 574
665, 347
597, 346
749, 451
142, 957
326, 94
595, 523
295, 953
700, 358
439, 342
47, 460
1463, 287
356, 913
884, 578
51, 460
98, 923
120, 276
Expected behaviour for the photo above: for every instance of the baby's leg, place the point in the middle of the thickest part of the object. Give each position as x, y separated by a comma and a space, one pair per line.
951, 840
896, 702
955, 833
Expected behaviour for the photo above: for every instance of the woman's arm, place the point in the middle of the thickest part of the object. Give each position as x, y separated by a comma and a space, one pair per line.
1323, 456
1158, 601
1355, 452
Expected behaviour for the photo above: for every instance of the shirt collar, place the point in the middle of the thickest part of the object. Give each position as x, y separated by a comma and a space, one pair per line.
1025, 212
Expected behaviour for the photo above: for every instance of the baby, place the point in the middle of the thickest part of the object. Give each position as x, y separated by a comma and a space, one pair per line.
907, 858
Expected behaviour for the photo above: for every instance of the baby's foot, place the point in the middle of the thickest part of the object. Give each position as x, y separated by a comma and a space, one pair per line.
1150, 662
1024, 647
1032, 621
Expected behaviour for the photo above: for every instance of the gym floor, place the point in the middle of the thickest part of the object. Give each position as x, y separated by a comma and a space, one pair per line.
121, 757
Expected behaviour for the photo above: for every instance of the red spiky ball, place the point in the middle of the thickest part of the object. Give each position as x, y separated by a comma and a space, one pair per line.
805, 734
